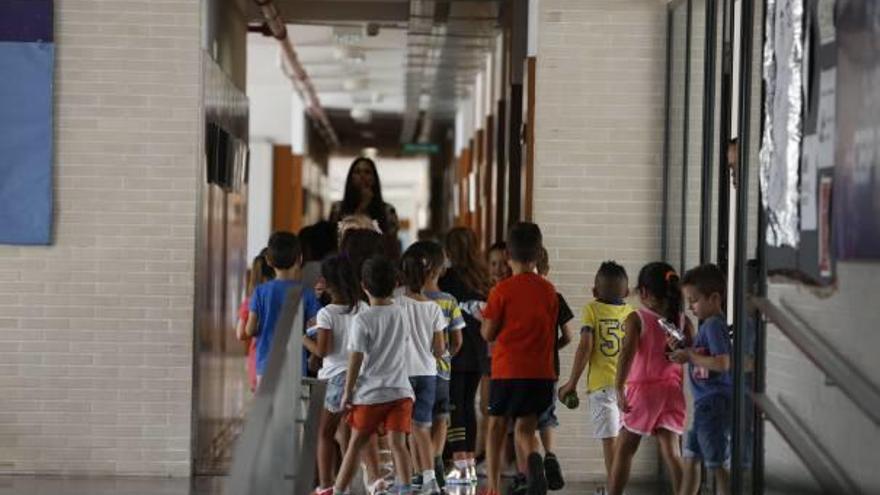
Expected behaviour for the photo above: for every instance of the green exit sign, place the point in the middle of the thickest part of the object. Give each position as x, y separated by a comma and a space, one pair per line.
421, 149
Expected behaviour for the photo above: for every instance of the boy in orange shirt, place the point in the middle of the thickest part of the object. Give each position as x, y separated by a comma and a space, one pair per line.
520, 318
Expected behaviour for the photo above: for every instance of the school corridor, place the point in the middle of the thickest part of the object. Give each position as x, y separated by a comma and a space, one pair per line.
149, 150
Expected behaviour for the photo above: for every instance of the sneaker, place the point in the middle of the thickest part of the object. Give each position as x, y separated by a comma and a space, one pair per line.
481, 470
430, 488
458, 476
416, 481
472, 474
537, 478
519, 485
553, 472
378, 488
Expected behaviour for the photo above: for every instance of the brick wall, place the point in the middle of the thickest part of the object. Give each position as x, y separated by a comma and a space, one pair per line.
96, 330
598, 167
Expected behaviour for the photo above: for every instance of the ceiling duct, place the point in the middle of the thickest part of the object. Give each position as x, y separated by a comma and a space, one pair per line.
295, 71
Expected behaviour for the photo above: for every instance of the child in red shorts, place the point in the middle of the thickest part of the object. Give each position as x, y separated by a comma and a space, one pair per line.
377, 392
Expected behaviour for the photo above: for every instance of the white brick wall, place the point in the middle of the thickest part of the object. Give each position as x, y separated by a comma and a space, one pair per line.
598, 166
96, 330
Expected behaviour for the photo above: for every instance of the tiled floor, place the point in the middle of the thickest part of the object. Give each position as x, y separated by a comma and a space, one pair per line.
25, 485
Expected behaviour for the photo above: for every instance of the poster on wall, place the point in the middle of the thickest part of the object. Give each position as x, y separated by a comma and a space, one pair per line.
856, 198
27, 60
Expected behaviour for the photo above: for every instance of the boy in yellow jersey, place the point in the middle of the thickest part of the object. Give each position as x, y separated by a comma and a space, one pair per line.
600, 344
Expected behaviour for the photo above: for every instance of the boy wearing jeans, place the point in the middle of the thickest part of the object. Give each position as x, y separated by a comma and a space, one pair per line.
520, 319
711, 383
377, 388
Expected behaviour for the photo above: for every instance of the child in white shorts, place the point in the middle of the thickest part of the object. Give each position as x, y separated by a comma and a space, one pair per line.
599, 346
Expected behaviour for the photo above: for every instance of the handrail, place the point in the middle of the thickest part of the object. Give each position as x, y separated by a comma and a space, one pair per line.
860, 390
267, 457
823, 467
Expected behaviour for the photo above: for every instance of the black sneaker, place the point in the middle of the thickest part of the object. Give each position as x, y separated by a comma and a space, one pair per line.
519, 485
537, 477
440, 472
416, 481
553, 471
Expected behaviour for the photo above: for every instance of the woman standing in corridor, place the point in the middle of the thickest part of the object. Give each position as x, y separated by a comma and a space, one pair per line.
363, 196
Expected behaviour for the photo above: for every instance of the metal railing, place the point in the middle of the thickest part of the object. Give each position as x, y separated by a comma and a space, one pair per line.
275, 454
828, 473
858, 388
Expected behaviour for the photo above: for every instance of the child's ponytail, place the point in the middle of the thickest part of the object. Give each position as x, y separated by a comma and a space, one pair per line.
414, 268
419, 262
340, 277
674, 302
661, 281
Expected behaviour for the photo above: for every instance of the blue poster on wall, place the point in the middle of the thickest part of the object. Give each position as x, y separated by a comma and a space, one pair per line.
27, 61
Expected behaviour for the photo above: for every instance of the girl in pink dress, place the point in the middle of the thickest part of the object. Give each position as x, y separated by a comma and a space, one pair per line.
650, 391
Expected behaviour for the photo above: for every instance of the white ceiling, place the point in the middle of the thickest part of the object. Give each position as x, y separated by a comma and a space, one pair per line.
369, 73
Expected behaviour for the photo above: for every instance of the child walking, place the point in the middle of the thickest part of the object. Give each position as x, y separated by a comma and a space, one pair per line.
426, 324
547, 421
285, 258
377, 391
453, 343
467, 280
331, 345
711, 383
649, 385
520, 318
499, 270
599, 347
259, 273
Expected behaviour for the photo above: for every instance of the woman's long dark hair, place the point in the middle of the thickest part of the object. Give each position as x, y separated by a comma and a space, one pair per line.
463, 250
662, 282
352, 198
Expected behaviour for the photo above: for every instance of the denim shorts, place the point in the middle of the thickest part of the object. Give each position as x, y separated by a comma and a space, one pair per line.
335, 390
442, 405
425, 390
709, 437
548, 419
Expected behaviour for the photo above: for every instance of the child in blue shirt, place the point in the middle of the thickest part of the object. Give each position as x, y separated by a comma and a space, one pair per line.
711, 382
285, 257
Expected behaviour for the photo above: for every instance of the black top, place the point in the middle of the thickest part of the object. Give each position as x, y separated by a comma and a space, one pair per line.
474, 355
565, 315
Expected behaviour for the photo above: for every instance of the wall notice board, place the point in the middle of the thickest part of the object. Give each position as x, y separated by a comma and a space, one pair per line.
27, 60
838, 186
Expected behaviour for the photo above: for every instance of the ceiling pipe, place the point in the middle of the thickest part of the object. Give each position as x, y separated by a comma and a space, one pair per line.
295, 71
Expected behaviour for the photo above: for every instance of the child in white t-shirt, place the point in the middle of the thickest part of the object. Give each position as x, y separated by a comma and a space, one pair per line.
331, 344
377, 389
427, 343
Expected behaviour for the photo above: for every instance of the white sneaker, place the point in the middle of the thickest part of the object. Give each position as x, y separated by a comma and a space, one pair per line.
472, 474
378, 488
458, 476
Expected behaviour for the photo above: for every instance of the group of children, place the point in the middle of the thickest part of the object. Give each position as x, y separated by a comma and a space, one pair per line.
403, 360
